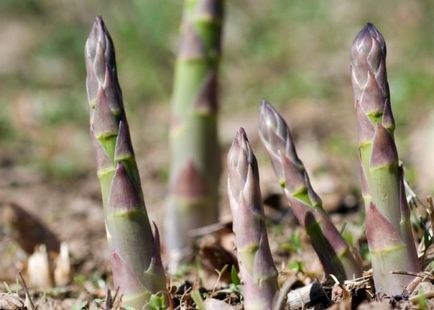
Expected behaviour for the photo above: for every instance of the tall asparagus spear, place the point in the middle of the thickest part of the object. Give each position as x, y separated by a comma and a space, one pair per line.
389, 234
135, 250
334, 253
195, 161
257, 268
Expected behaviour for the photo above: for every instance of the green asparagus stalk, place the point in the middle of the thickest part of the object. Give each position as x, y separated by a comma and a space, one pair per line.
257, 268
334, 253
388, 229
135, 249
195, 160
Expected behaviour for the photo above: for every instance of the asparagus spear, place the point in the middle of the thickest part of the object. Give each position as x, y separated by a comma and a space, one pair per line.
135, 251
388, 230
195, 161
257, 268
334, 253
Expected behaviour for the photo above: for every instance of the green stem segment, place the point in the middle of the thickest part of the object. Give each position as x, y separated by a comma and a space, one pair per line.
336, 256
135, 249
388, 229
257, 268
195, 158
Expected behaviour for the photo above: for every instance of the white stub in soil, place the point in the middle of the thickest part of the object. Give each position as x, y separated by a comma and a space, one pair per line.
38, 268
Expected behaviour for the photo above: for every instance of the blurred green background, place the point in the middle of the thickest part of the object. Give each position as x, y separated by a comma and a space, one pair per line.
294, 53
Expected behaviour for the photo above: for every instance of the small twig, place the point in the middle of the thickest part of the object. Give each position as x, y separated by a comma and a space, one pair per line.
26, 290
210, 229
220, 273
117, 299
361, 282
184, 294
116, 293
422, 275
108, 300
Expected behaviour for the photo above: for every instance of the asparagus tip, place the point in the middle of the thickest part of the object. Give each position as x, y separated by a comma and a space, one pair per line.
96, 34
367, 37
240, 139
268, 116
240, 161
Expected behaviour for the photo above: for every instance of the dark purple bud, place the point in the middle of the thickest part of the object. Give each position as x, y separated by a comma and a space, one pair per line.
123, 149
207, 98
123, 194
112, 93
264, 264
365, 128
124, 277
103, 123
380, 233
264, 269
331, 234
190, 183
156, 265
372, 99
384, 151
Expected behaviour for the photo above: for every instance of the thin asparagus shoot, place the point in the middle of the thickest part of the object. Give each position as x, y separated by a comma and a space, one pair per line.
336, 256
257, 268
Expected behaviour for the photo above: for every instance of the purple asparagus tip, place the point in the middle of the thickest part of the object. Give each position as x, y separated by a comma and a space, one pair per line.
277, 138
368, 55
367, 38
257, 268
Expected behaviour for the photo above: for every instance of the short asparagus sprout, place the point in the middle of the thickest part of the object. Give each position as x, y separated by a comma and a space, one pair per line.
257, 268
135, 249
388, 228
336, 256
